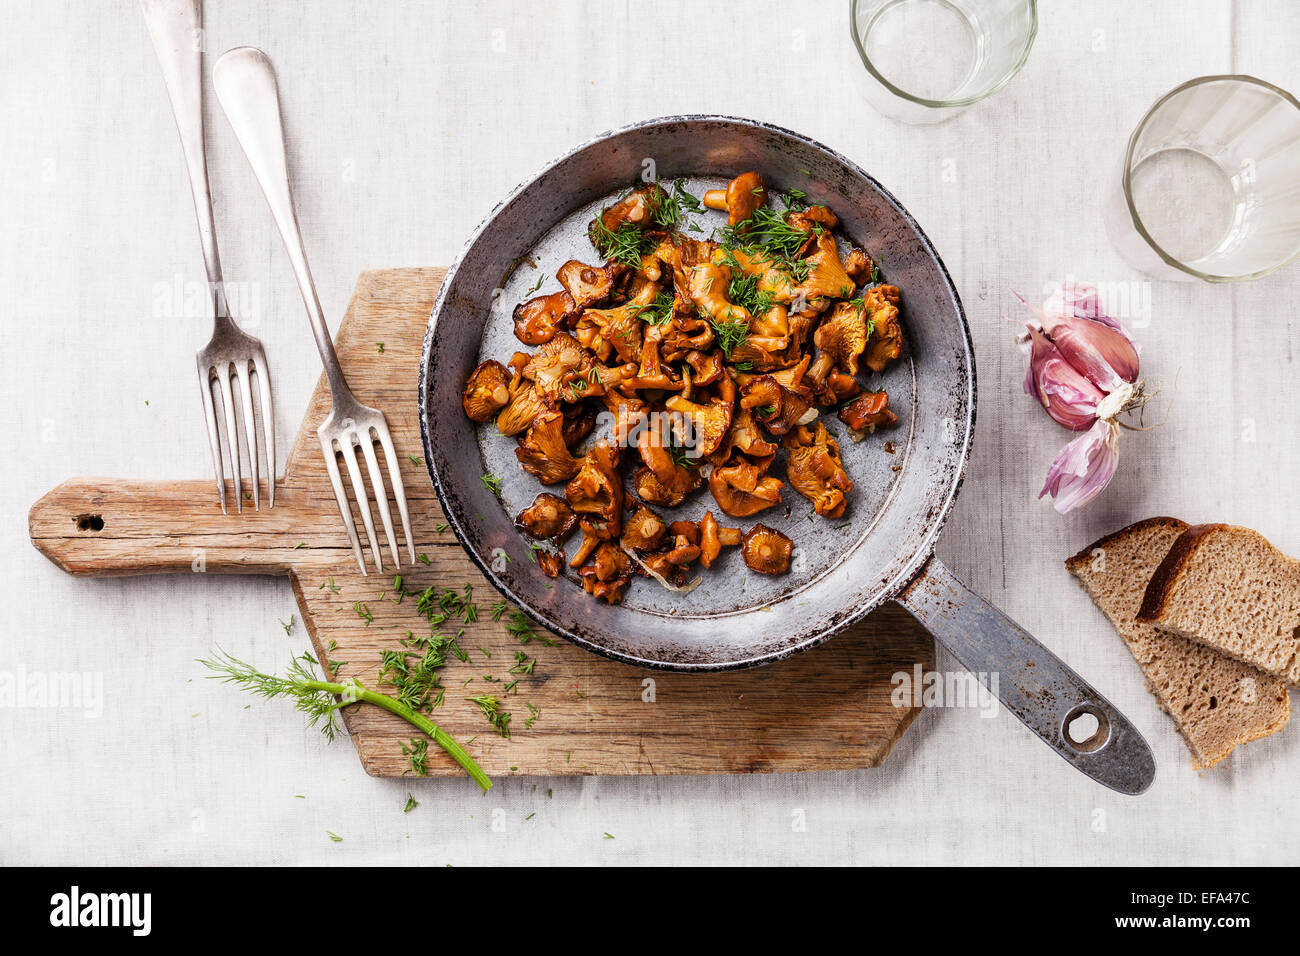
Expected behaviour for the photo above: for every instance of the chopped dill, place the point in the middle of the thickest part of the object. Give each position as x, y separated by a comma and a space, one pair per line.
660, 311
456, 651
743, 291
667, 209
626, 244
767, 237
491, 707
731, 334
418, 752
682, 457
517, 626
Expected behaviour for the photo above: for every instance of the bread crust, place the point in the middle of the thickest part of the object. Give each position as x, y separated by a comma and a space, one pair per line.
1161, 521
1162, 584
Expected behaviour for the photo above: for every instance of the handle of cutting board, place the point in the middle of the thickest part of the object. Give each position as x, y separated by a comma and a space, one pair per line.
1031, 681
105, 526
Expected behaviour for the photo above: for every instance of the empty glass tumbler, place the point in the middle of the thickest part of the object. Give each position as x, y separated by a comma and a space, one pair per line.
927, 60
1210, 184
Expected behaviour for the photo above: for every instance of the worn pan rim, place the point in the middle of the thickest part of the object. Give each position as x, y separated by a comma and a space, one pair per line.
914, 564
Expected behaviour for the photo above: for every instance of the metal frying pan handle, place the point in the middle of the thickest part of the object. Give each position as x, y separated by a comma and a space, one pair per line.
1031, 681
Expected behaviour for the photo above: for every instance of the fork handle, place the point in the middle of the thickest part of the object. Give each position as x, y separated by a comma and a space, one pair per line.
176, 28
107, 526
246, 88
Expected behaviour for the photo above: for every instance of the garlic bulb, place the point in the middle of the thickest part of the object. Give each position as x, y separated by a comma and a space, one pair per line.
1083, 369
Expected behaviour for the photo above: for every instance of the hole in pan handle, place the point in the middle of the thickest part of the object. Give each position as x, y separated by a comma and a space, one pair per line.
1030, 681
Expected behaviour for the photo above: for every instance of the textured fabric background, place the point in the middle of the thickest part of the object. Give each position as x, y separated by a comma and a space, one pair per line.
407, 122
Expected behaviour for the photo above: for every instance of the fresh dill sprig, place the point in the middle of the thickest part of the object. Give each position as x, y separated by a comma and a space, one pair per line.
498, 609
492, 483
321, 700
301, 684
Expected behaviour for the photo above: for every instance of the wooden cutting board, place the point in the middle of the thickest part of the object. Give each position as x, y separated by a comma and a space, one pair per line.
827, 709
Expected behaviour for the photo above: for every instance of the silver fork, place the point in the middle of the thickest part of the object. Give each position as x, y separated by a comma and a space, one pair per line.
246, 88
176, 27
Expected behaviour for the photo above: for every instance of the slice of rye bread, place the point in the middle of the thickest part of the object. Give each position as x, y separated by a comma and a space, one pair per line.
1216, 702
1227, 587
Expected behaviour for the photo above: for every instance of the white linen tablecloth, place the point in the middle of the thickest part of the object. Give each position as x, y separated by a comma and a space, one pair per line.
407, 122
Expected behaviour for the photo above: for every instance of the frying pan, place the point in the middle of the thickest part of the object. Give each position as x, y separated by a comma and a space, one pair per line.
883, 549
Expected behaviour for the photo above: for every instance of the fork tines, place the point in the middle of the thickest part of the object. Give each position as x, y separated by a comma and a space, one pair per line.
343, 438
220, 362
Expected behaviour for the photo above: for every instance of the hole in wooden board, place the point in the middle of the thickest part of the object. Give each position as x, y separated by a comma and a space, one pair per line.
89, 523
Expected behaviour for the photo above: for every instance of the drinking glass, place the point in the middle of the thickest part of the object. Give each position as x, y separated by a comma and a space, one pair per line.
927, 60
1209, 187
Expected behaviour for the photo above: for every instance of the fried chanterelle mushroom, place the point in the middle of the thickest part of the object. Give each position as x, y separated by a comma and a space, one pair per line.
815, 471
486, 392
691, 353
547, 517
866, 413
766, 551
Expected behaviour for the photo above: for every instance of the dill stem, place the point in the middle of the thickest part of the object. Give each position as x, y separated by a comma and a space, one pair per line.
360, 692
